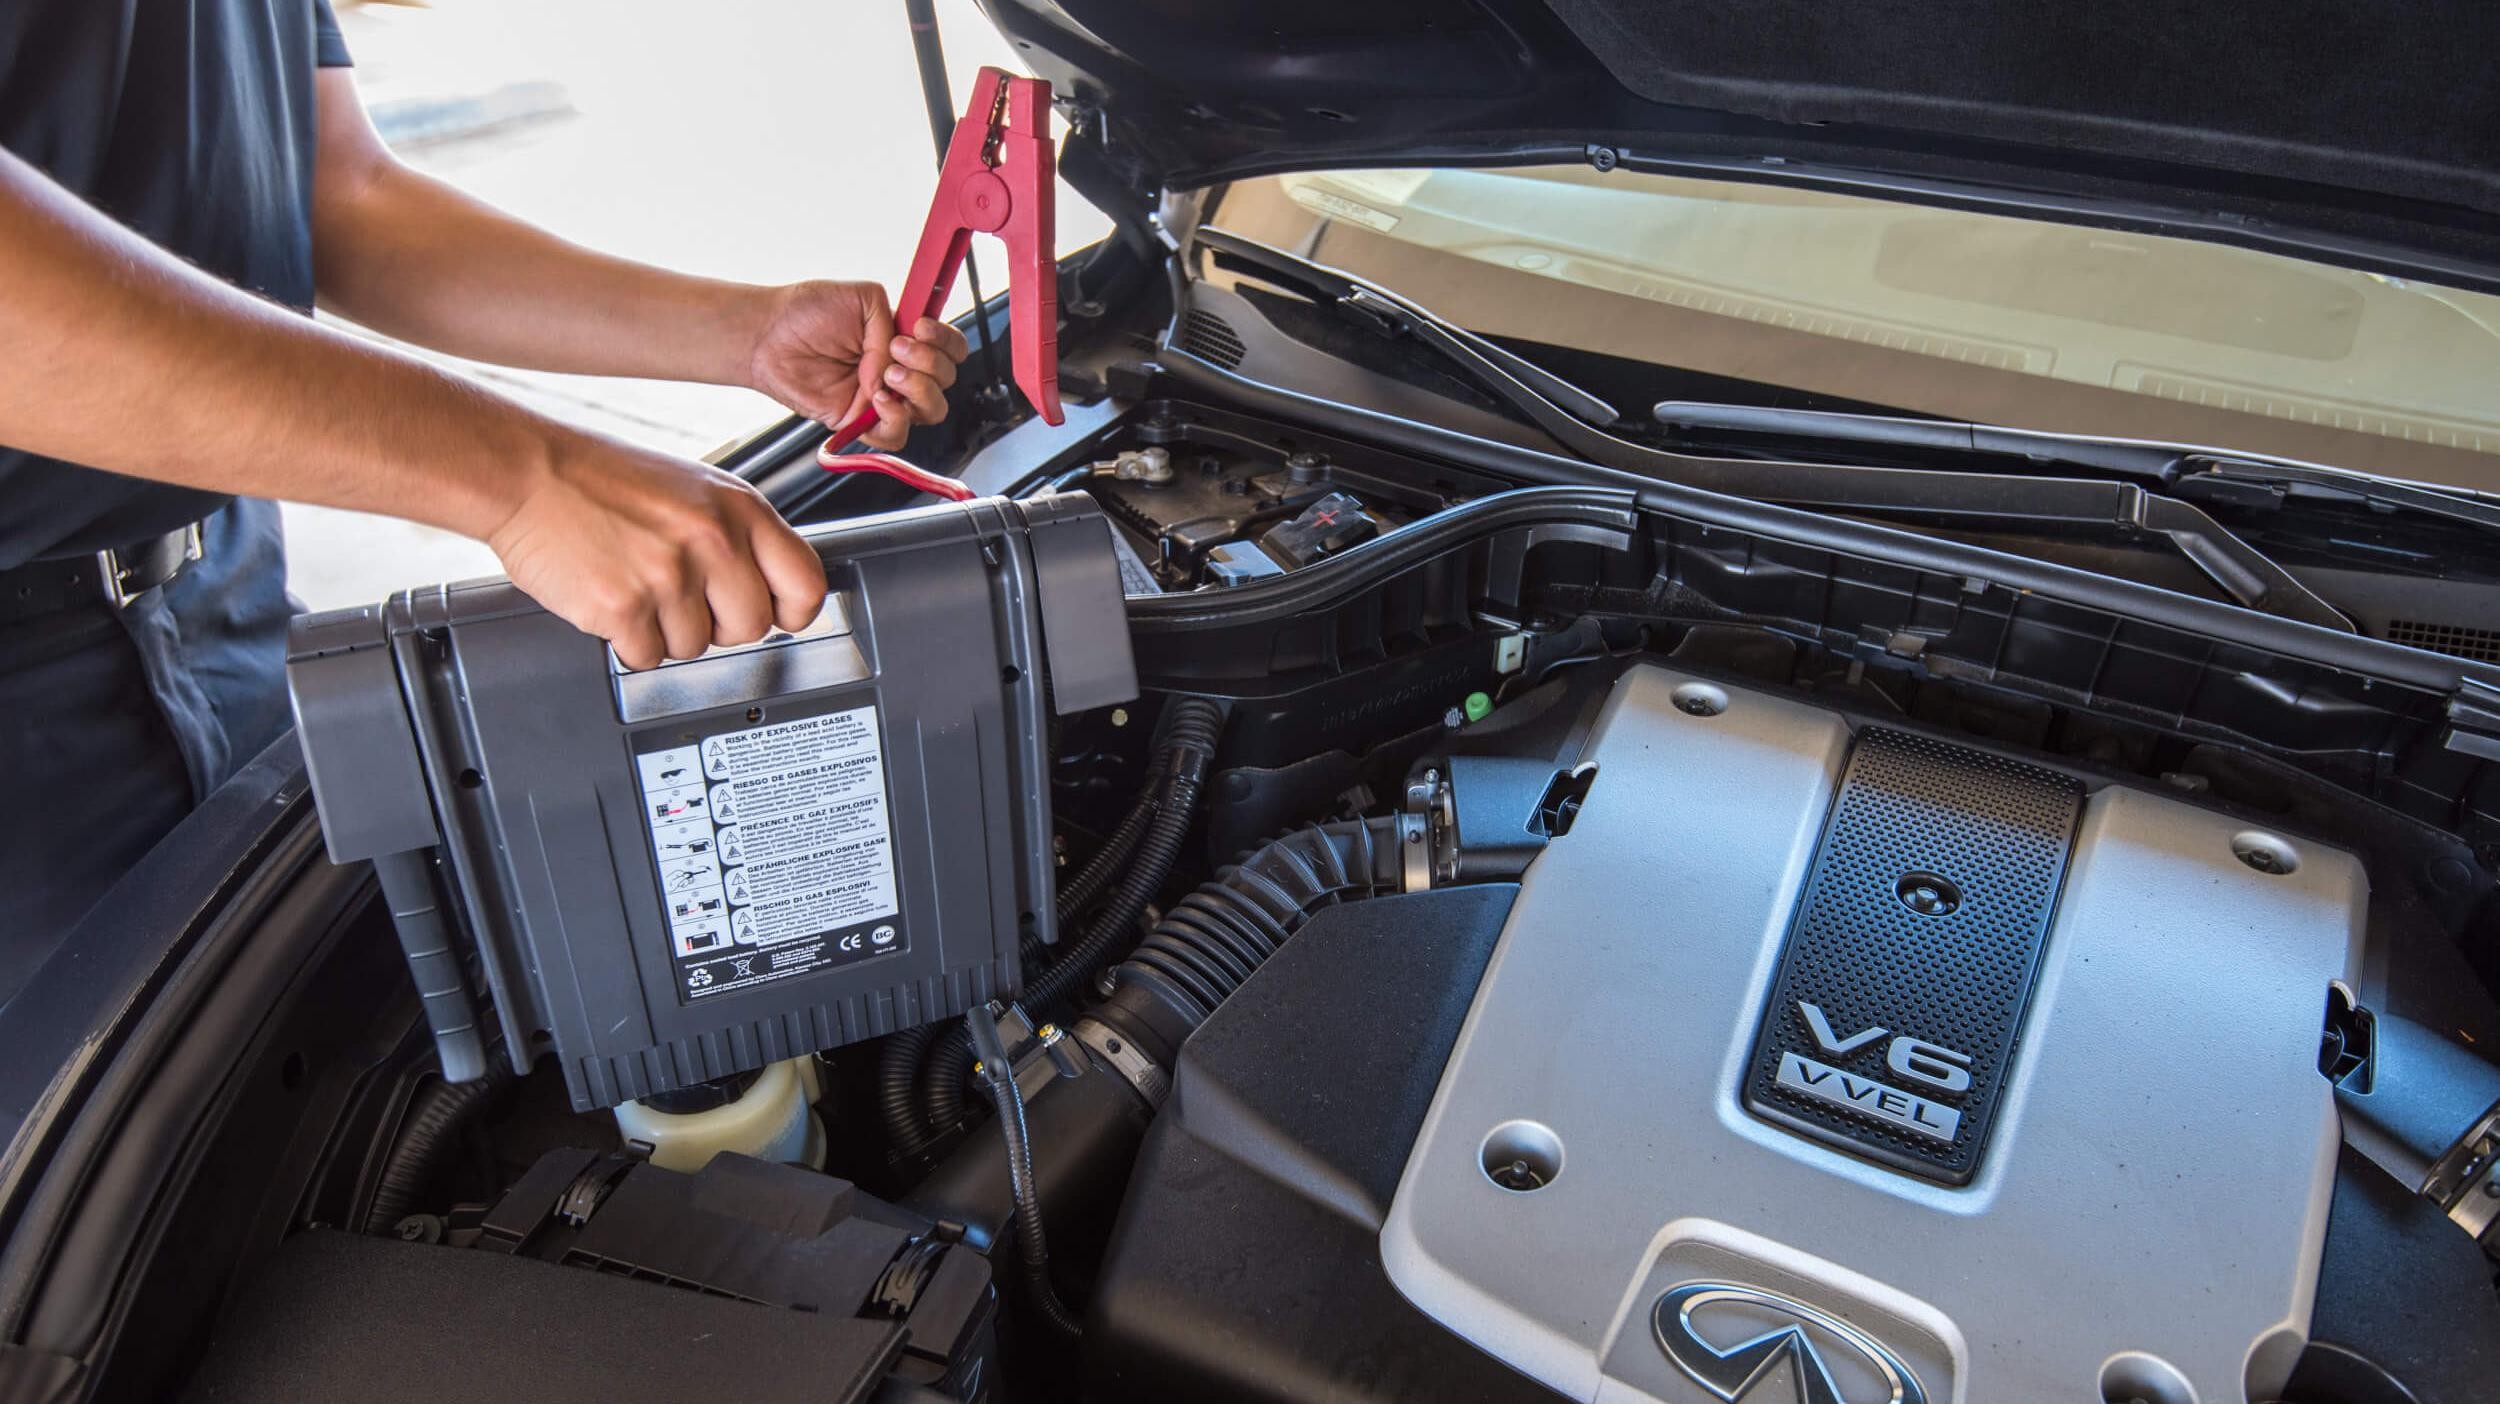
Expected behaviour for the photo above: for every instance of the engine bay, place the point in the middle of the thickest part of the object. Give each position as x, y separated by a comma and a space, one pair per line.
1503, 940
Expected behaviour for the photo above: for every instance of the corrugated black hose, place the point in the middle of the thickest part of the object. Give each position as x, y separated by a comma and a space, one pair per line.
1090, 880
433, 1124
898, 1105
1161, 820
942, 1080
1192, 727
1214, 938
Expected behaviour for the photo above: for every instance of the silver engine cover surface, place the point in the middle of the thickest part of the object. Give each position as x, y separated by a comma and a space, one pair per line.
2153, 1199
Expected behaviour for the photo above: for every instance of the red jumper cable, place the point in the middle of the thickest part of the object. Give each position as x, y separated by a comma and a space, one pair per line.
997, 179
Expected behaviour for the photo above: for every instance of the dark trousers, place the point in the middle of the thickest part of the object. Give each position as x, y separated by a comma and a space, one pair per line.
115, 722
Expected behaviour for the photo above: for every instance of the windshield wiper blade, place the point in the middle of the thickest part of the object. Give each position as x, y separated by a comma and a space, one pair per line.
2192, 470
2243, 572
2145, 460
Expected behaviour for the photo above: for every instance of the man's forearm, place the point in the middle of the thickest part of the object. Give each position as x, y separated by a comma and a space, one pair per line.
117, 355
414, 258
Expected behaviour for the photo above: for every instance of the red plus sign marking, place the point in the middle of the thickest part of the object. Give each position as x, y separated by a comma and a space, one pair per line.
1327, 518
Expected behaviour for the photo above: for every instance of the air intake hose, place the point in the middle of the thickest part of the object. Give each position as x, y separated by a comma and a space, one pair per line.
1153, 832
1075, 1157
1213, 939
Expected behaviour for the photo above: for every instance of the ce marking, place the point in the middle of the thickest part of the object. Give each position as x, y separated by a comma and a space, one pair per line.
856, 941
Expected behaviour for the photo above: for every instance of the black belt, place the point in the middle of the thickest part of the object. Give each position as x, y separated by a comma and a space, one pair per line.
112, 578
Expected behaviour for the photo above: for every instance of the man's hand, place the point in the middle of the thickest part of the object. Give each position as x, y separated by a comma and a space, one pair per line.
828, 350
411, 257
659, 556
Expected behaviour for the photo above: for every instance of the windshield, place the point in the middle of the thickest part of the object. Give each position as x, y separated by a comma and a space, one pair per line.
1942, 312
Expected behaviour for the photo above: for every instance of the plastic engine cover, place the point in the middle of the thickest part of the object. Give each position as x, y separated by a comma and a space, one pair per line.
694, 870
1846, 1052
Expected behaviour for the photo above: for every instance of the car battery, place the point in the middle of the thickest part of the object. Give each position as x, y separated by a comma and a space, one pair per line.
676, 874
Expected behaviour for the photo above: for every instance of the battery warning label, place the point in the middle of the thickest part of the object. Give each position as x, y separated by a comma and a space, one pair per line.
776, 856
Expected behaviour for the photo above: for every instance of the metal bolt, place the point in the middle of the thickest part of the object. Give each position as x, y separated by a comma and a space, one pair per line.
1518, 1175
1927, 894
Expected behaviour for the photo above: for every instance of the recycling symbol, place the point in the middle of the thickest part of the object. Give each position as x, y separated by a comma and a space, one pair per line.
700, 977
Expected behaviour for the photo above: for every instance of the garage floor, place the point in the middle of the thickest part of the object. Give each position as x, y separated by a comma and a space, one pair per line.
715, 137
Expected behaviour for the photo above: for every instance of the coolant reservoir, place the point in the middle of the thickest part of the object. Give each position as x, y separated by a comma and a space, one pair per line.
764, 1114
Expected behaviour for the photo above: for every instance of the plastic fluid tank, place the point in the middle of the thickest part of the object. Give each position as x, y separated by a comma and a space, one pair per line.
764, 1114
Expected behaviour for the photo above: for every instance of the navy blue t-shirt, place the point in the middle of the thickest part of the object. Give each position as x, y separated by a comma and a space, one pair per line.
191, 121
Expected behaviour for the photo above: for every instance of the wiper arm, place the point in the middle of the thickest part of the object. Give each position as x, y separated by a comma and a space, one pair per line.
2227, 477
2243, 572
2192, 470
1395, 313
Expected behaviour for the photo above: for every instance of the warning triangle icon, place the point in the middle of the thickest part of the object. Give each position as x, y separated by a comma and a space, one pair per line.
718, 765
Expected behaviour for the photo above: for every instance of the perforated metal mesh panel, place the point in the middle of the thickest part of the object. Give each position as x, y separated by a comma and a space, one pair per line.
2456, 640
1923, 918
1206, 335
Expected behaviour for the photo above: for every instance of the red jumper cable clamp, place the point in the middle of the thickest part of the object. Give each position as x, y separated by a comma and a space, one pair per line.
997, 179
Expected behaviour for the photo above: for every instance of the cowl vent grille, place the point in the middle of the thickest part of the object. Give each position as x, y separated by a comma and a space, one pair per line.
1211, 338
2455, 640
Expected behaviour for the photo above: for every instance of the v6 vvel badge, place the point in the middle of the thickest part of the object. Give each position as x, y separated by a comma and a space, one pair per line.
1733, 1341
1937, 1071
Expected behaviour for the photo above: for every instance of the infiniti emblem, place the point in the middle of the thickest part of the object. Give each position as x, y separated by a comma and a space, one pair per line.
1731, 1371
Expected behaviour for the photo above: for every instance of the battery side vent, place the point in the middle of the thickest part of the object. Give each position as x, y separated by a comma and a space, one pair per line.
2455, 640
1211, 338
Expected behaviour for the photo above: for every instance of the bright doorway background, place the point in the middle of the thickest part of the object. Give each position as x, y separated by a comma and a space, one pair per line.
763, 140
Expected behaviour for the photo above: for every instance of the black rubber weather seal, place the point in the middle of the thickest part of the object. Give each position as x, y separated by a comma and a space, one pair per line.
2290, 638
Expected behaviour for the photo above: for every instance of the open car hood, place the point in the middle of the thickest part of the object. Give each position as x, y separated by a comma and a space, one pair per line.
2364, 135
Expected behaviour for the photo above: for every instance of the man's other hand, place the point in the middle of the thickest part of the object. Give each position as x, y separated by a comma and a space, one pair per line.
828, 350
659, 556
